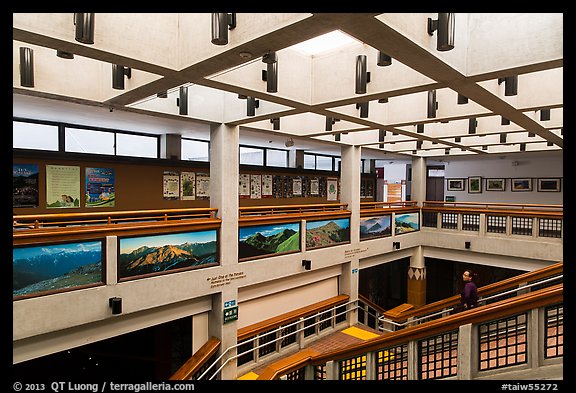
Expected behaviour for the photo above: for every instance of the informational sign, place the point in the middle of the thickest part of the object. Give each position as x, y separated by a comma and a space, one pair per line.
230, 314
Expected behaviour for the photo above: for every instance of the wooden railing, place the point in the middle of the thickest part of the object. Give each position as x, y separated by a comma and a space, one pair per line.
197, 364
380, 346
255, 215
535, 210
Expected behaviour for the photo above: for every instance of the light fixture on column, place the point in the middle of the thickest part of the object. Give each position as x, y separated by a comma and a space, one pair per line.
221, 23
472, 123
26, 67
363, 106
510, 85
182, 100
84, 27
275, 123
115, 303
252, 104
462, 99
118, 73
64, 55
432, 103
362, 75
307, 264
383, 59
270, 75
445, 24
467, 245
544, 114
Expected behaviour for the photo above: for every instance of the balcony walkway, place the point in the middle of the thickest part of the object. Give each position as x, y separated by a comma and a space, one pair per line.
337, 340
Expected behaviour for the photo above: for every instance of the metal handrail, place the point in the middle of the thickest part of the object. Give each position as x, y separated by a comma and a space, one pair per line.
416, 320
283, 327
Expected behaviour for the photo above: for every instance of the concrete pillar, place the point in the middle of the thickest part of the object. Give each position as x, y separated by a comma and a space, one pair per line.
417, 278
418, 189
224, 169
171, 146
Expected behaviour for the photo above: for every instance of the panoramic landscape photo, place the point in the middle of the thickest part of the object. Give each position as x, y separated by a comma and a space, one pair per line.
261, 240
327, 233
161, 253
408, 222
48, 268
373, 227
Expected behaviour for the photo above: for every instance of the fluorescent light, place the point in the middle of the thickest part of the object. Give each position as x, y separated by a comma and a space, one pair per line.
324, 43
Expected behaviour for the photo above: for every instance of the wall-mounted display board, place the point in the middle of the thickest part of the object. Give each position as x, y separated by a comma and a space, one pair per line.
147, 255
268, 240
375, 227
58, 267
100, 187
326, 233
62, 186
25, 185
406, 222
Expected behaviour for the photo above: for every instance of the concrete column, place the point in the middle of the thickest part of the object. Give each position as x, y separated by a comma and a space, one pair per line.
224, 167
171, 146
465, 352
418, 180
417, 278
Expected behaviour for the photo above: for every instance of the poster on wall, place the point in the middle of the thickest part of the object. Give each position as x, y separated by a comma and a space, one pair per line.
267, 186
255, 186
188, 186
332, 189
297, 186
171, 183
62, 186
314, 186
244, 185
24, 185
100, 191
202, 186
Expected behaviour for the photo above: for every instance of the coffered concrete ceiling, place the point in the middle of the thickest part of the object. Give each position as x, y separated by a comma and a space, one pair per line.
167, 51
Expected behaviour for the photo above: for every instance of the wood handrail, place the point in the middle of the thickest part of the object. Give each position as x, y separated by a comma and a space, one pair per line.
489, 289
506, 307
534, 206
198, 359
290, 209
292, 316
373, 305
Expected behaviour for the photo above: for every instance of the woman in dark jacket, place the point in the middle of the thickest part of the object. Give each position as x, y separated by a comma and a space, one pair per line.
469, 294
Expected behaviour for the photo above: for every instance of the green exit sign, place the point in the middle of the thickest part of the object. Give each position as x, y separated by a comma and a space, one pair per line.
230, 314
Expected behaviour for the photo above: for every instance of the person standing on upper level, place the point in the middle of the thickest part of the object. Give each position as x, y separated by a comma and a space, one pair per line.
469, 294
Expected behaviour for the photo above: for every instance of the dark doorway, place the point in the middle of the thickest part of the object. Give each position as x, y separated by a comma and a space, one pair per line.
154, 353
435, 183
385, 284
444, 277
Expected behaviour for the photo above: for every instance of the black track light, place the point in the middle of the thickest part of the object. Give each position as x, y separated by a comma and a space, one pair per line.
26, 67
383, 59
118, 73
510, 85
182, 101
84, 27
445, 24
432, 104
361, 74
221, 23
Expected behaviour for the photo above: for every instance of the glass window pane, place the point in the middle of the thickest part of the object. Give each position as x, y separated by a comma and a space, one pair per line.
136, 145
34, 136
89, 141
324, 163
193, 150
251, 156
309, 161
277, 158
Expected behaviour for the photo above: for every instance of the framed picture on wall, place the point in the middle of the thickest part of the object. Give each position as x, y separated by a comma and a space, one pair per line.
455, 185
474, 184
549, 185
495, 184
521, 184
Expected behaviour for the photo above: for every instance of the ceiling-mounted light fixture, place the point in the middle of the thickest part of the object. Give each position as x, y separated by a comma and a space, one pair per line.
182, 100
420, 128
544, 114
270, 75
221, 23
289, 142
383, 100
64, 55
84, 27
381, 135
252, 104
510, 85
504, 121
445, 24
337, 137
363, 106
383, 59
472, 123
275, 123
26, 67
462, 99
118, 73
362, 75
432, 103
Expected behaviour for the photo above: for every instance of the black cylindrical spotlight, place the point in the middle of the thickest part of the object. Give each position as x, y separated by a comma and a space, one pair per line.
329, 122
272, 77
462, 99
275, 123
64, 55
115, 304
361, 74
219, 28
383, 59
504, 121
270, 57
381, 135
544, 114
431, 103
472, 125
251, 111
420, 128
84, 27
364, 109
118, 73
511, 85
183, 100
337, 137
446, 30
26, 67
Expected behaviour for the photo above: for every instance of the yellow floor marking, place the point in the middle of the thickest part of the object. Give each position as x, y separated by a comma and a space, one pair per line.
360, 333
251, 375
